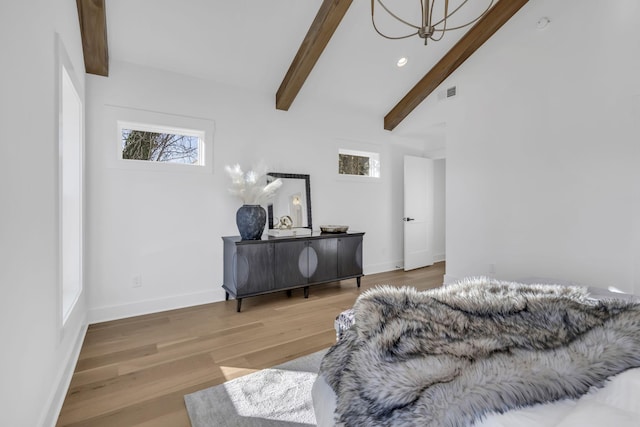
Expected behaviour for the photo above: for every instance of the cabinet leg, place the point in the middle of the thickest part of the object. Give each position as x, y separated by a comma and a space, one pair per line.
226, 296
239, 305
358, 280
306, 292
288, 292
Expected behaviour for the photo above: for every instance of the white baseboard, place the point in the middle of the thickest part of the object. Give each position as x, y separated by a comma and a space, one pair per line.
439, 258
382, 267
114, 312
397, 265
50, 417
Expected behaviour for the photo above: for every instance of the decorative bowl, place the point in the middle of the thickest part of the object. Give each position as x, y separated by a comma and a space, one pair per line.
334, 228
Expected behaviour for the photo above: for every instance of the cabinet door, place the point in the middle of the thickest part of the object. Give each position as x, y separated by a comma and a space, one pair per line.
323, 260
350, 256
253, 269
291, 264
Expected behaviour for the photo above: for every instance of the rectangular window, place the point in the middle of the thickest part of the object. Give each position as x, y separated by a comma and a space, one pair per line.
155, 143
359, 163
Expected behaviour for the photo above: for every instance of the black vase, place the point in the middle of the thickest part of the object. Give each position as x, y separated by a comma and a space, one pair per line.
250, 220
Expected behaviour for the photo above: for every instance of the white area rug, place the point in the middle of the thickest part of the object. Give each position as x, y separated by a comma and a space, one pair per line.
278, 396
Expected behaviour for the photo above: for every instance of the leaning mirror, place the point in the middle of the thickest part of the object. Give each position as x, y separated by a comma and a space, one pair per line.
291, 206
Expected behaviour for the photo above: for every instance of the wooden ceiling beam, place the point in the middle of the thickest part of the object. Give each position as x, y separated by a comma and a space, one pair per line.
324, 25
499, 14
93, 30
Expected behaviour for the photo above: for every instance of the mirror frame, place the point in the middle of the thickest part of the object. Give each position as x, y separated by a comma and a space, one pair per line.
307, 186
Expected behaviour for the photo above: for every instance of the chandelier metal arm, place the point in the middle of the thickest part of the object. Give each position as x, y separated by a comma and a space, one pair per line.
373, 22
428, 29
391, 37
468, 23
427, 22
427, 13
392, 14
449, 15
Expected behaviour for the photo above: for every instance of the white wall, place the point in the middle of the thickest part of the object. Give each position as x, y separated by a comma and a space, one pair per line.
542, 148
37, 356
167, 226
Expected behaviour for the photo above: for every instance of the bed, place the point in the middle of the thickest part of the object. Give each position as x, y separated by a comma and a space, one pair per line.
486, 353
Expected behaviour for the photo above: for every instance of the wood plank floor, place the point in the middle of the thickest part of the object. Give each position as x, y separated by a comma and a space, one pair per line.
135, 371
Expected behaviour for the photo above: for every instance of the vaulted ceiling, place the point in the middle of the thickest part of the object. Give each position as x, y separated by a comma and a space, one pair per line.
312, 49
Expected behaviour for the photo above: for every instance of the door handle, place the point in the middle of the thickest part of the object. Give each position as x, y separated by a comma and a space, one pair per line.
407, 219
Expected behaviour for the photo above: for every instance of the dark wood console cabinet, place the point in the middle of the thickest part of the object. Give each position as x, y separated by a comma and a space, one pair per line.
256, 267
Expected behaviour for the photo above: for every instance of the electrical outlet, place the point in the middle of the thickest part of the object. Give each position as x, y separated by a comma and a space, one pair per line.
136, 281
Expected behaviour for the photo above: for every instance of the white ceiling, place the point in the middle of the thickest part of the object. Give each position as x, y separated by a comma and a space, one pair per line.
251, 43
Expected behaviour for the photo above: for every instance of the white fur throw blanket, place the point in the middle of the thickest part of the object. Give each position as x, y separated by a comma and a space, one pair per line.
447, 356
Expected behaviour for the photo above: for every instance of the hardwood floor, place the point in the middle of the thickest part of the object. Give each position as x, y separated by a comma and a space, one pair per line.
135, 371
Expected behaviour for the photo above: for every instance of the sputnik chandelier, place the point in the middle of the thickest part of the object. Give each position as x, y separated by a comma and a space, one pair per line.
428, 29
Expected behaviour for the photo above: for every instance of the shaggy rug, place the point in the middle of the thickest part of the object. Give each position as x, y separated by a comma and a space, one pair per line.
279, 396
448, 356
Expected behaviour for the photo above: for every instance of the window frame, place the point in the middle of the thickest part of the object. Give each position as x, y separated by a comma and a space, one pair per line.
114, 115
146, 127
361, 153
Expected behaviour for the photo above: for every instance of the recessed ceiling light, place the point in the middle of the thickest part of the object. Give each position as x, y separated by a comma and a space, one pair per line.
402, 61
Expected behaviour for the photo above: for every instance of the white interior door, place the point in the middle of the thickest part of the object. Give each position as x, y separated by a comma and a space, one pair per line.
418, 212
